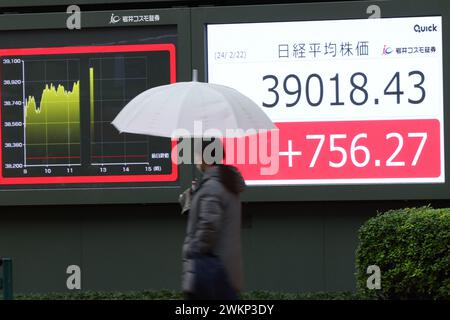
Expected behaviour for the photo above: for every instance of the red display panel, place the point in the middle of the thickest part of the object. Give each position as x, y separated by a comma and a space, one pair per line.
369, 151
56, 107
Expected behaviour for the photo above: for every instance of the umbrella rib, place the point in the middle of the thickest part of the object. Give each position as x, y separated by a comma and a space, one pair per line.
258, 124
179, 117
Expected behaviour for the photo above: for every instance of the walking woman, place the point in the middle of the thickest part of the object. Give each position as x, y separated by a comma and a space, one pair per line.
212, 262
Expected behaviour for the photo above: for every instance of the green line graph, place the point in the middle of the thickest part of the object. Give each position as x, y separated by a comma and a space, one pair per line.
56, 118
51, 95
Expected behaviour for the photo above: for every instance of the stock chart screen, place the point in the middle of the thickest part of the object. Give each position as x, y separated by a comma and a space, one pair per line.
57, 104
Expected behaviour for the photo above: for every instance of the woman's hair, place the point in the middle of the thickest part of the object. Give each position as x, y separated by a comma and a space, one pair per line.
229, 176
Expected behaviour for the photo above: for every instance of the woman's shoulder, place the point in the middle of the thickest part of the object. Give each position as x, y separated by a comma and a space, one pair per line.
212, 186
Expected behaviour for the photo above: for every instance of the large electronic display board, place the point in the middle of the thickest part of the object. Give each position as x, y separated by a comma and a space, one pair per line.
351, 106
357, 90
42, 114
59, 91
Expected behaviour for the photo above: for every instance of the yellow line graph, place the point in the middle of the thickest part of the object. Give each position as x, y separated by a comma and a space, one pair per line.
56, 118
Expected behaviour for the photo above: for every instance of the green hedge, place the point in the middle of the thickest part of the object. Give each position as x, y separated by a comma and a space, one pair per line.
175, 295
99, 295
411, 248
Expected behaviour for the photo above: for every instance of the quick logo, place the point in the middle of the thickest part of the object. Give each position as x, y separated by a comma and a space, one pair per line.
419, 29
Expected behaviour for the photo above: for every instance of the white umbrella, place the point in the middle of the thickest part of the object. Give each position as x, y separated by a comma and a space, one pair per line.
192, 109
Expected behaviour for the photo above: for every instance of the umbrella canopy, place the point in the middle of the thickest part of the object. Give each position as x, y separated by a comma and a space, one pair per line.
192, 109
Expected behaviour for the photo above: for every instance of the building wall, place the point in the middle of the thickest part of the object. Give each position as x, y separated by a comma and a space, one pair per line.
289, 247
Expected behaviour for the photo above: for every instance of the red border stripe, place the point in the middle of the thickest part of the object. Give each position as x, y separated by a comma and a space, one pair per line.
173, 176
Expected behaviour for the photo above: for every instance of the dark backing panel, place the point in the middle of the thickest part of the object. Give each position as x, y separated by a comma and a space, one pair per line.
49, 30
284, 240
140, 3
88, 36
42, 244
288, 247
143, 250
